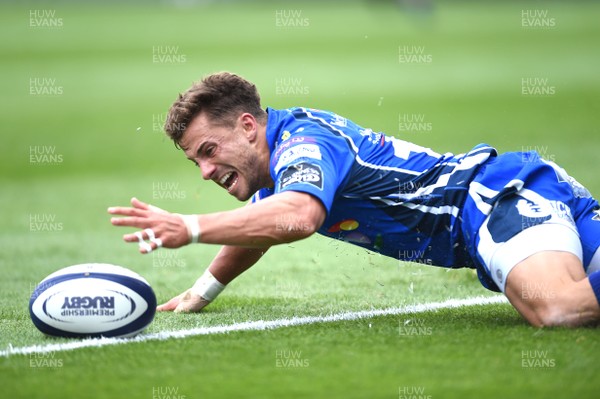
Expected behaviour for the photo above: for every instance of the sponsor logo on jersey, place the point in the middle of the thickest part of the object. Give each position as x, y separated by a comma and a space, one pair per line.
296, 152
284, 145
286, 135
302, 173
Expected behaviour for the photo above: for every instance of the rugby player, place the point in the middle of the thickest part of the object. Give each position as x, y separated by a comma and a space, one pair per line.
531, 230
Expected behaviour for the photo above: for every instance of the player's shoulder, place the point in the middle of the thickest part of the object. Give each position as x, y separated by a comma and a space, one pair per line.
302, 135
306, 122
305, 127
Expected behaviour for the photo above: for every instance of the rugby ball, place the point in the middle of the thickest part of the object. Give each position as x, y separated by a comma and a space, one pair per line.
92, 300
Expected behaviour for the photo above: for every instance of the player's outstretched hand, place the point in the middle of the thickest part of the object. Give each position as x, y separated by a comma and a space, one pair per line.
184, 303
159, 228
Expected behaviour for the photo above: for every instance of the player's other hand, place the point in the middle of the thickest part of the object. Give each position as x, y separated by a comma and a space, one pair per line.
158, 228
186, 302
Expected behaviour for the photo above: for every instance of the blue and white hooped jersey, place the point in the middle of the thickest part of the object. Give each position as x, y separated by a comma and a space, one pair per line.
381, 193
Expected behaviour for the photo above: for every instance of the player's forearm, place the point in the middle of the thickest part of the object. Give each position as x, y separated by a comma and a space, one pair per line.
231, 261
281, 218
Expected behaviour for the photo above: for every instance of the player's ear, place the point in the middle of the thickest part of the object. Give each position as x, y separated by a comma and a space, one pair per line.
249, 125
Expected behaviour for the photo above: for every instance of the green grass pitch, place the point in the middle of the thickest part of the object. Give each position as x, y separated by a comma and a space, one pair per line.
84, 92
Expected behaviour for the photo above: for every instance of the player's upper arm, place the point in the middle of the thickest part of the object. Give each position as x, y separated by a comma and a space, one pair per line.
308, 210
312, 164
296, 214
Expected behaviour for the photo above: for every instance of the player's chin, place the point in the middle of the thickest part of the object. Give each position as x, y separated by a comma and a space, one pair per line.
240, 191
242, 196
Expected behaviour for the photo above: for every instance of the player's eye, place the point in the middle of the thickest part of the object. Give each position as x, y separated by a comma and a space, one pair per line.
210, 151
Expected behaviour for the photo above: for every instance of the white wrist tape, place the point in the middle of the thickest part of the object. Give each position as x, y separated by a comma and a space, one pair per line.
192, 226
207, 286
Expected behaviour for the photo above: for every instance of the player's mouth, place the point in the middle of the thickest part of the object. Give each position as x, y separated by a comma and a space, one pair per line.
229, 181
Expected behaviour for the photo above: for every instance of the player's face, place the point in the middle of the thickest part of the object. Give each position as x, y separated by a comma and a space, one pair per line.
228, 156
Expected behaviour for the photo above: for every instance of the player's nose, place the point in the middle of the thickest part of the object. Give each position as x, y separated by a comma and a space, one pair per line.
207, 169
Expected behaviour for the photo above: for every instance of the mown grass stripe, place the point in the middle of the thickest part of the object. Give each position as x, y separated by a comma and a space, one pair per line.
254, 326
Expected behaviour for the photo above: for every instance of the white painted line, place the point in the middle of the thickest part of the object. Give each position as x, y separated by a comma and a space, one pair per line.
253, 326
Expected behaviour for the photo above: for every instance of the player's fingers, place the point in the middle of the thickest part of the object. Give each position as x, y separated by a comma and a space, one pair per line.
190, 303
136, 203
140, 222
133, 237
169, 305
126, 211
146, 248
156, 209
140, 236
146, 234
142, 205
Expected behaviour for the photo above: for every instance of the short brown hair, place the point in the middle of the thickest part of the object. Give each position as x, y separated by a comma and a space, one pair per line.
223, 96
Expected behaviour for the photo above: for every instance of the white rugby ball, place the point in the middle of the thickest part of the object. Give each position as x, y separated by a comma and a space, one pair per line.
92, 300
